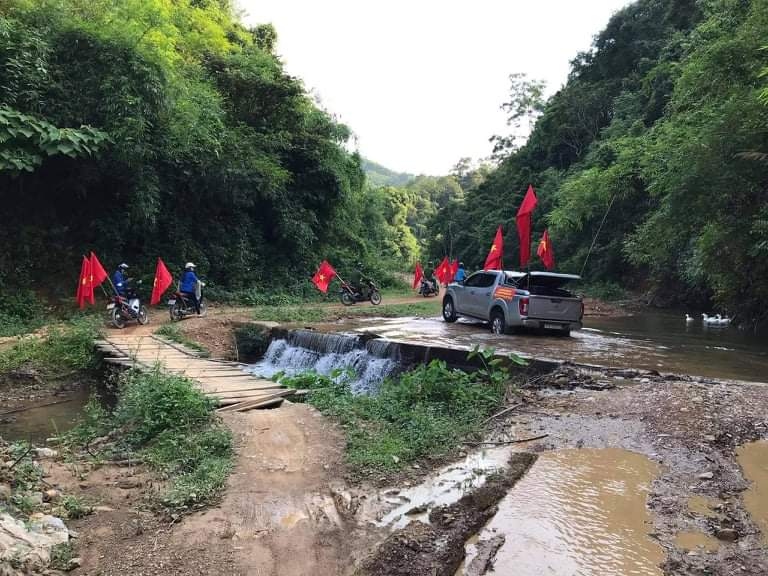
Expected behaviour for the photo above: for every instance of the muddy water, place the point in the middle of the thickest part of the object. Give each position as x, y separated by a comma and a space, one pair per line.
704, 506
649, 340
753, 459
38, 423
579, 512
696, 540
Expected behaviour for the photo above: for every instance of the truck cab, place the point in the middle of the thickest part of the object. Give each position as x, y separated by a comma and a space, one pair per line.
509, 300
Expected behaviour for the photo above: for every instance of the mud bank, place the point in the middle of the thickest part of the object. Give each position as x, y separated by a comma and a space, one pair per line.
437, 548
693, 431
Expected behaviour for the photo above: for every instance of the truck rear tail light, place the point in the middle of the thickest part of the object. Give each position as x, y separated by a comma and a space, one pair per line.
523, 306
582, 311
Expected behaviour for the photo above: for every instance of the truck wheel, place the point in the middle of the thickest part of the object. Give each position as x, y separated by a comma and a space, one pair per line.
449, 312
498, 324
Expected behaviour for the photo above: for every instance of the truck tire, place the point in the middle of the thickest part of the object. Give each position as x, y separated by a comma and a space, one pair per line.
449, 311
498, 323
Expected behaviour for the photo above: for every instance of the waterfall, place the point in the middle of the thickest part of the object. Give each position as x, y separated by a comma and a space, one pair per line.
308, 350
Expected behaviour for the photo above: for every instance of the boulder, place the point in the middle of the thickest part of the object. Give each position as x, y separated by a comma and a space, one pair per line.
30, 548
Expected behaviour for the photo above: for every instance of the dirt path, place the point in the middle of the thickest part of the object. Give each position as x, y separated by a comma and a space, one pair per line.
279, 515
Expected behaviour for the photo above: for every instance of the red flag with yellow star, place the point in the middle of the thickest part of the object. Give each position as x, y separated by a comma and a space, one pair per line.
84, 283
545, 251
418, 274
323, 276
443, 271
495, 255
163, 279
523, 221
96, 277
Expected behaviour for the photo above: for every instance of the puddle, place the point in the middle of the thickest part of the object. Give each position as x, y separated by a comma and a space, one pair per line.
579, 512
704, 506
445, 487
37, 424
696, 540
753, 459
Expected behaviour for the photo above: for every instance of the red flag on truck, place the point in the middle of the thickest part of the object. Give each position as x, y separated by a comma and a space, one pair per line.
323, 276
418, 274
163, 279
454, 269
496, 254
545, 251
83, 283
523, 221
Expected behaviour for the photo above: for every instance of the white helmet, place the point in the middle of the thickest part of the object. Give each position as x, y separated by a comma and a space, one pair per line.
189, 265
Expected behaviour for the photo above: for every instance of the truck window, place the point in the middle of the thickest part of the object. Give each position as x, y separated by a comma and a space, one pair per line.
486, 280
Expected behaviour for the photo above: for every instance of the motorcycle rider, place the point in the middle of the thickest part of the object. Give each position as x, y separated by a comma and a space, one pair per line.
460, 273
188, 286
358, 281
120, 280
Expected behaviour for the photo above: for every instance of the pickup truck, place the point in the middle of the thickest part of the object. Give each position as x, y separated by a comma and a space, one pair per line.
510, 300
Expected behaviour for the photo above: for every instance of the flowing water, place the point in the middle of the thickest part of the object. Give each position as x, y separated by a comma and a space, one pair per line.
370, 361
578, 513
649, 340
696, 541
753, 459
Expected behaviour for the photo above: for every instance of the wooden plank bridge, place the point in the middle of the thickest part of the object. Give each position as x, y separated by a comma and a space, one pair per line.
227, 382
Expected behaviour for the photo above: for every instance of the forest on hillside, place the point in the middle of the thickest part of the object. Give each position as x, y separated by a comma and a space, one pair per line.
661, 135
145, 128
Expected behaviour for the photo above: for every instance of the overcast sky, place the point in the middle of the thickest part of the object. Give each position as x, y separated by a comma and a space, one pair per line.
420, 82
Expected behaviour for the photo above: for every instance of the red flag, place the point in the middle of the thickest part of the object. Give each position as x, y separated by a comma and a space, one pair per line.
97, 276
523, 221
454, 268
83, 283
163, 279
495, 255
418, 274
545, 251
323, 276
443, 272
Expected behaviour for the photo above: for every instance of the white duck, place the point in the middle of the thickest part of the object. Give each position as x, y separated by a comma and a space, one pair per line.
710, 320
688, 319
723, 321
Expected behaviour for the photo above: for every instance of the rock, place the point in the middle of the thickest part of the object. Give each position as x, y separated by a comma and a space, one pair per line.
128, 484
5, 492
727, 534
35, 498
395, 459
418, 509
103, 509
706, 476
74, 563
51, 495
29, 548
709, 438
46, 453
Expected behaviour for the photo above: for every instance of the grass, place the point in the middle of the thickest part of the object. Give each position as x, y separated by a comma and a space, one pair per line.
75, 508
607, 291
168, 423
61, 556
424, 413
429, 307
69, 347
172, 332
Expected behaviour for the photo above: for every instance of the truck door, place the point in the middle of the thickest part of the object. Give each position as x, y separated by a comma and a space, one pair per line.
477, 294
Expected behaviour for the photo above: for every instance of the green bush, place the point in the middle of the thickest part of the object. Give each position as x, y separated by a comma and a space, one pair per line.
252, 341
422, 413
153, 402
20, 311
69, 347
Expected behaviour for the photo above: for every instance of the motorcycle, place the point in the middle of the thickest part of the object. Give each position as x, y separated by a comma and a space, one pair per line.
350, 294
180, 305
124, 309
429, 288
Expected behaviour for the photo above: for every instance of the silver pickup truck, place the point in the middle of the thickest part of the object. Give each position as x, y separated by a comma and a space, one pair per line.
510, 300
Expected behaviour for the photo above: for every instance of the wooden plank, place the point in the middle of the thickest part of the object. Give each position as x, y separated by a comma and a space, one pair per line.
245, 393
224, 402
281, 394
215, 391
264, 404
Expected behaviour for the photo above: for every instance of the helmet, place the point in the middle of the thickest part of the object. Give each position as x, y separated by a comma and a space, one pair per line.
123, 266
461, 264
189, 265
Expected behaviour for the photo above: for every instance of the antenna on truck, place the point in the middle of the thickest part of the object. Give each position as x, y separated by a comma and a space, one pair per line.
596, 235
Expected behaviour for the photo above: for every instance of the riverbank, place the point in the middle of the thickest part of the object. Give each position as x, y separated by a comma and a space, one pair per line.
293, 505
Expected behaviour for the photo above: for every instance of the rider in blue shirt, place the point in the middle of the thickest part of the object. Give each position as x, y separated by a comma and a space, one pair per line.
460, 273
188, 285
120, 280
